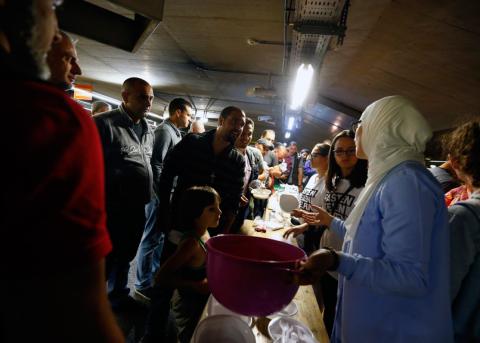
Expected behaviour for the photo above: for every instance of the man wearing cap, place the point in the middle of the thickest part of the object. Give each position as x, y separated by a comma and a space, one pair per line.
264, 146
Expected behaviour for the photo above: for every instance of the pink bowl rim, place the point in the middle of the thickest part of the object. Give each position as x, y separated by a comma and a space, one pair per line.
237, 258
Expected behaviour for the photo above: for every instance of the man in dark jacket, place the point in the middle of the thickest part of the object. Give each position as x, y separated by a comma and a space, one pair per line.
206, 159
127, 142
202, 159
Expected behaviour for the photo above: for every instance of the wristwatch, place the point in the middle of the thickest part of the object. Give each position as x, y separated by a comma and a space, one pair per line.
336, 259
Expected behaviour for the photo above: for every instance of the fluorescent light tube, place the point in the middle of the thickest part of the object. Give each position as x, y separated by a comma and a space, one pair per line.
302, 84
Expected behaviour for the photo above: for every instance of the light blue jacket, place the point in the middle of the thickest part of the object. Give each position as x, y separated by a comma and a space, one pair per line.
465, 268
395, 286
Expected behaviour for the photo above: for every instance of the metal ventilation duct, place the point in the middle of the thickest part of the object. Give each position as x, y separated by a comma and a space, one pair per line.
314, 23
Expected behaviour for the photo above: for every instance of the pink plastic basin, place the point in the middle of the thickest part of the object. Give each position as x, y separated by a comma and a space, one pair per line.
248, 274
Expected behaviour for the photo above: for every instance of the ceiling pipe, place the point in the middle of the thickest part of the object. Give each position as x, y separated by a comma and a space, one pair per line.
203, 68
253, 41
286, 20
216, 99
154, 116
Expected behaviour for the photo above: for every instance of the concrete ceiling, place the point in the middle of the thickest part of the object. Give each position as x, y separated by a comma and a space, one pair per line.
427, 50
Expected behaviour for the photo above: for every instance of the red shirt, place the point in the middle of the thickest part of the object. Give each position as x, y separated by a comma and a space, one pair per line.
53, 203
456, 194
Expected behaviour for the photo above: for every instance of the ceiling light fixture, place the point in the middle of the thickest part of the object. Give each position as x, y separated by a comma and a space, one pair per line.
291, 121
302, 84
287, 135
99, 96
106, 98
112, 101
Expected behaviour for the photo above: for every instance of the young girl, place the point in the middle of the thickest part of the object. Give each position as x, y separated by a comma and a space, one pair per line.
312, 194
184, 270
345, 179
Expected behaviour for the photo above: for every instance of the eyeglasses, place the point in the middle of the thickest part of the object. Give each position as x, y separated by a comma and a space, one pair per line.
354, 126
349, 152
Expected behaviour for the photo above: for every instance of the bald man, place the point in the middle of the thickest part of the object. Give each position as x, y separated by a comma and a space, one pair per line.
63, 62
127, 147
197, 127
100, 107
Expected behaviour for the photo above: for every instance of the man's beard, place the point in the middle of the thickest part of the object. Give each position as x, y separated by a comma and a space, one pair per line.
231, 137
242, 145
39, 57
22, 29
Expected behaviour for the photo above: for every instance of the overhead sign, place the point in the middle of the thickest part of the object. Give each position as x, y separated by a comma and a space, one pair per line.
83, 92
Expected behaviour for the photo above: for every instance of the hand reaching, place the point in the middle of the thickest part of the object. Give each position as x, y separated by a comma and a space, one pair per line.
295, 230
321, 217
297, 213
243, 201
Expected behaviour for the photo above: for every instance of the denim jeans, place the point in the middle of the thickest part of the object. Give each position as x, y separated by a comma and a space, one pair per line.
125, 225
150, 249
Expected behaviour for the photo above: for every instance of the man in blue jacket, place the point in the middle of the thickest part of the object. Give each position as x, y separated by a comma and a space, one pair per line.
167, 135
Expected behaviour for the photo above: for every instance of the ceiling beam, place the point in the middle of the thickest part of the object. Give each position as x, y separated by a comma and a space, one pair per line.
150, 26
340, 107
103, 26
150, 9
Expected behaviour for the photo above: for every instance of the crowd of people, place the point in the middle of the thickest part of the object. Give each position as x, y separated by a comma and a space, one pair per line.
87, 195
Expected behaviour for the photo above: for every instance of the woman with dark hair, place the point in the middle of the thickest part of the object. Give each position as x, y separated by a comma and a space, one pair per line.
346, 177
344, 165
464, 148
312, 194
184, 269
344, 180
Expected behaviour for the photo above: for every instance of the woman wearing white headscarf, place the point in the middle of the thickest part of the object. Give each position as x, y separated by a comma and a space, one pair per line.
394, 268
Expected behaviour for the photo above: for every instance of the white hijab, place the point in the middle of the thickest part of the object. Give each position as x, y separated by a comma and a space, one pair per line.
393, 131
